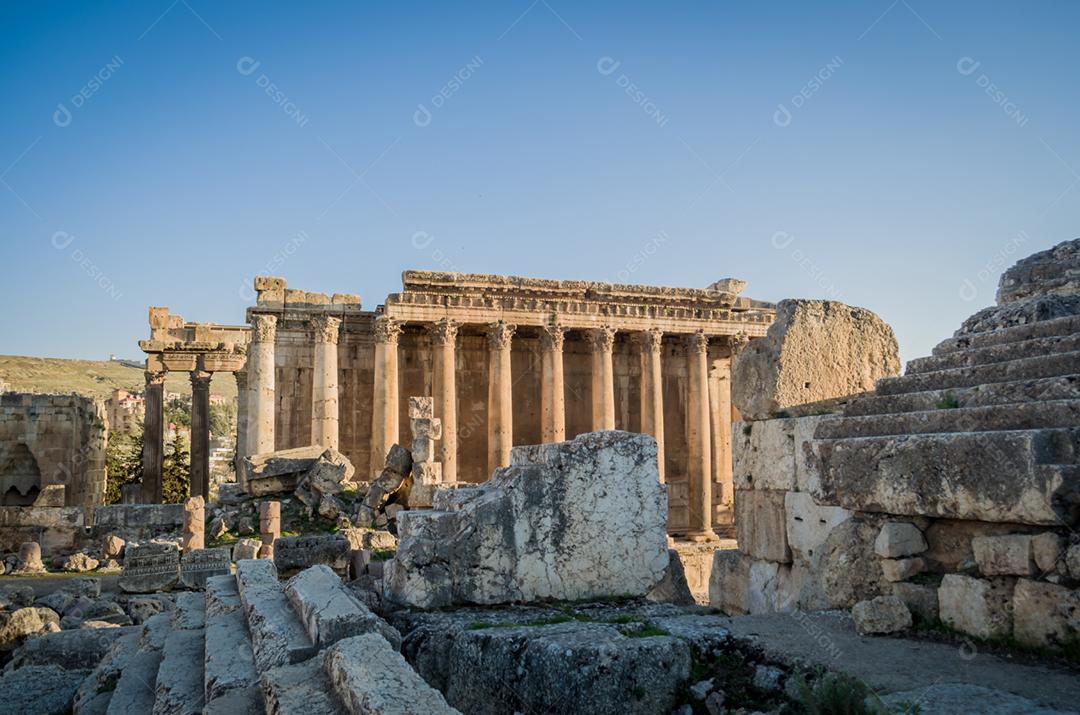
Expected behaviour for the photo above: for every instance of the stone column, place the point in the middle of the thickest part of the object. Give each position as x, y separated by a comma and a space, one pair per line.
324, 388
652, 390
384, 421
552, 392
720, 419
200, 434
444, 390
269, 527
500, 395
603, 378
262, 397
699, 439
194, 524
153, 436
241, 426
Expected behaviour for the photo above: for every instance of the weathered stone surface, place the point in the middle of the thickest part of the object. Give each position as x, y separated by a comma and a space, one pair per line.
198, 565
70, 650
300, 689
194, 524
229, 666
771, 588
571, 520
371, 678
40, 689
280, 471
902, 569
1022, 312
788, 367
29, 621
884, 614
1045, 615
179, 685
150, 567
761, 524
134, 692
1055, 271
112, 547
921, 600
1047, 549
978, 607
729, 583
850, 568
421, 408
1072, 561
277, 636
764, 454
673, 588
80, 563
295, 553
245, 549
898, 539
331, 612
950, 542
325, 478
949, 698
29, 558
809, 525
1007, 555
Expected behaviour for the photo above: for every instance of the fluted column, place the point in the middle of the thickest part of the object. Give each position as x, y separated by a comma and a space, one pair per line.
384, 423
699, 439
444, 390
200, 434
652, 391
262, 397
720, 419
603, 378
500, 395
324, 387
552, 397
241, 425
153, 453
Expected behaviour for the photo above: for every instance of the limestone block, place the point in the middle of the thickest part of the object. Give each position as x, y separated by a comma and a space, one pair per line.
815, 350
920, 599
673, 587
277, 636
1072, 561
898, 539
950, 542
902, 569
154, 566
1055, 271
421, 408
570, 520
1007, 555
280, 471
294, 553
884, 614
771, 588
761, 525
809, 525
807, 472
1046, 549
40, 689
79, 563
327, 476
764, 454
194, 524
330, 612
245, 549
978, 607
112, 547
1045, 615
17, 625
849, 568
198, 565
423, 450
29, 558
426, 427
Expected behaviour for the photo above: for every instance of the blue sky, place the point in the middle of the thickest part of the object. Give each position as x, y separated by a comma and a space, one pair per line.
893, 155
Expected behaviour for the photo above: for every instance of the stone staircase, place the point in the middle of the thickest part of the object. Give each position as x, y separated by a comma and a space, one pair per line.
250, 645
986, 428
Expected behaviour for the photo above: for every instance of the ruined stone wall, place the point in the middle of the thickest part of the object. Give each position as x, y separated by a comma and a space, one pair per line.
52, 440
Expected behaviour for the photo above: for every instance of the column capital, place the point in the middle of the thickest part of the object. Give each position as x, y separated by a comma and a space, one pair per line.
200, 379
387, 330
263, 328
241, 378
500, 334
326, 328
698, 342
155, 377
650, 339
553, 337
737, 342
444, 332
602, 338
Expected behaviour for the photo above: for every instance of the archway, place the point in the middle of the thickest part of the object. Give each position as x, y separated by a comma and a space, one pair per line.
20, 477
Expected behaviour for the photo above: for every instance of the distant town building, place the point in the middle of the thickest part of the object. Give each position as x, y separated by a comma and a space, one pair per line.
124, 410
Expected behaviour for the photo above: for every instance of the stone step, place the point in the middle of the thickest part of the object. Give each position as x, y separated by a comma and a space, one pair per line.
991, 354
229, 663
1064, 387
96, 691
179, 688
277, 636
331, 612
135, 690
190, 611
993, 418
301, 689
1054, 365
369, 676
1040, 329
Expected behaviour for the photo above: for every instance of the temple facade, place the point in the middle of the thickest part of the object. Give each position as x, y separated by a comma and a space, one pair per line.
508, 361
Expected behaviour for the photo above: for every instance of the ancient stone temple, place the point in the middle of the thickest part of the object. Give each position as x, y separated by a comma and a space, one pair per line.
509, 361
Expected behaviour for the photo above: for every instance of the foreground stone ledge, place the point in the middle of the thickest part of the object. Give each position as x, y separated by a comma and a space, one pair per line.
330, 612
276, 635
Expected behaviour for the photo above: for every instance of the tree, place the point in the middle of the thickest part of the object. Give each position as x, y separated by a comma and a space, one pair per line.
123, 459
176, 471
178, 412
222, 419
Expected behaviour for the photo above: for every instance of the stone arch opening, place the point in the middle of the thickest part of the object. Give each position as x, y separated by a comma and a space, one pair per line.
20, 477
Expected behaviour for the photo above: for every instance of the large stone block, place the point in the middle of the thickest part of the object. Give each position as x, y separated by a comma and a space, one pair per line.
150, 567
1045, 615
1007, 555
850, 570
331, 612
315, 466
815, 350
571, 520
729, 582
761, 525
884, 614
898, 539
978, 607
809, 525
764, 454
1055, 271
295, 553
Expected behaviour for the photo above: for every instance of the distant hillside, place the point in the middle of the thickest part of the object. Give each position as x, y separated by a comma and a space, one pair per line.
97, 378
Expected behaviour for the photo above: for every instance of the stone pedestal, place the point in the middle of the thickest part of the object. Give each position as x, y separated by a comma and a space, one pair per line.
324, 389
500, 396
699, 438
552, 390
261, 385
603, 378
29, 558
194, 524
384, 422
269, 527
153, 436
652, 391
241, 425
200, 434
444, 389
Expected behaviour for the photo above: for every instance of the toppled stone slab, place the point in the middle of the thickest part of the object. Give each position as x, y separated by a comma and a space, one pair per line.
276, 635
788, 367
325, 478
371, 678
229, 664
283, 470
72, 649
150, 567
40, 689
295, 553
330, 612
573, 520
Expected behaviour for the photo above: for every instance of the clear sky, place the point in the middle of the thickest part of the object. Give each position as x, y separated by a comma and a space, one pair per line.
893, 155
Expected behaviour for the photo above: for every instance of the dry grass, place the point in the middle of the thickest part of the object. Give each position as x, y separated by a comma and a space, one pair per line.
97, 378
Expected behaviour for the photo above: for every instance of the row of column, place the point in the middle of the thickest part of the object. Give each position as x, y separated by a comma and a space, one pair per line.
708, 413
